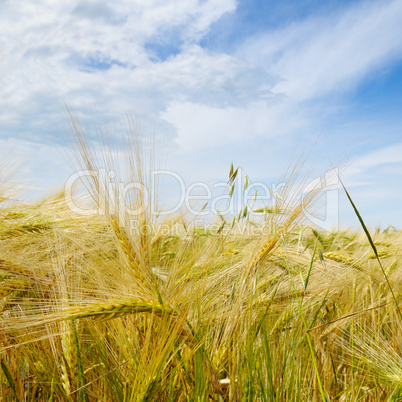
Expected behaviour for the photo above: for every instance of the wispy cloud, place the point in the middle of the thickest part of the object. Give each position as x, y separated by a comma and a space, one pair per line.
330, 53
382, 156
310, 67
376, 167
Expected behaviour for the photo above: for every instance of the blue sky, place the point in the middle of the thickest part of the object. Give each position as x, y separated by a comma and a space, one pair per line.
248, 81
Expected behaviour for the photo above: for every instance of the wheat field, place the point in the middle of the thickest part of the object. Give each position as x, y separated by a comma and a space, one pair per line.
93, 309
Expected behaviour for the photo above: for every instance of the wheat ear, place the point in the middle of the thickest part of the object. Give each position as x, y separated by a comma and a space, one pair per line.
115, 309
129, 252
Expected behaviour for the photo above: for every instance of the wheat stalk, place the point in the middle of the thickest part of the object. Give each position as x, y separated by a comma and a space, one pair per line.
115, 309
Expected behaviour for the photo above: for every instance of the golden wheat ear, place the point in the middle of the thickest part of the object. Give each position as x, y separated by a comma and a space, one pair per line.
129, 160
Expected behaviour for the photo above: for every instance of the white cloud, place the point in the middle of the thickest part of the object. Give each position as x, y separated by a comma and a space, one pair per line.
382, 158
201, 126
386, 155
96, 54
319, 56
331, 53
375, 168
88, 26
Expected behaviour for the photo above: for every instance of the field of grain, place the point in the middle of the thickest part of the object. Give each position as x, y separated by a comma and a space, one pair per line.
93, 309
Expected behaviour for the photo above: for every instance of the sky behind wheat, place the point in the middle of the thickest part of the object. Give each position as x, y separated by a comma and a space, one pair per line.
249, 81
